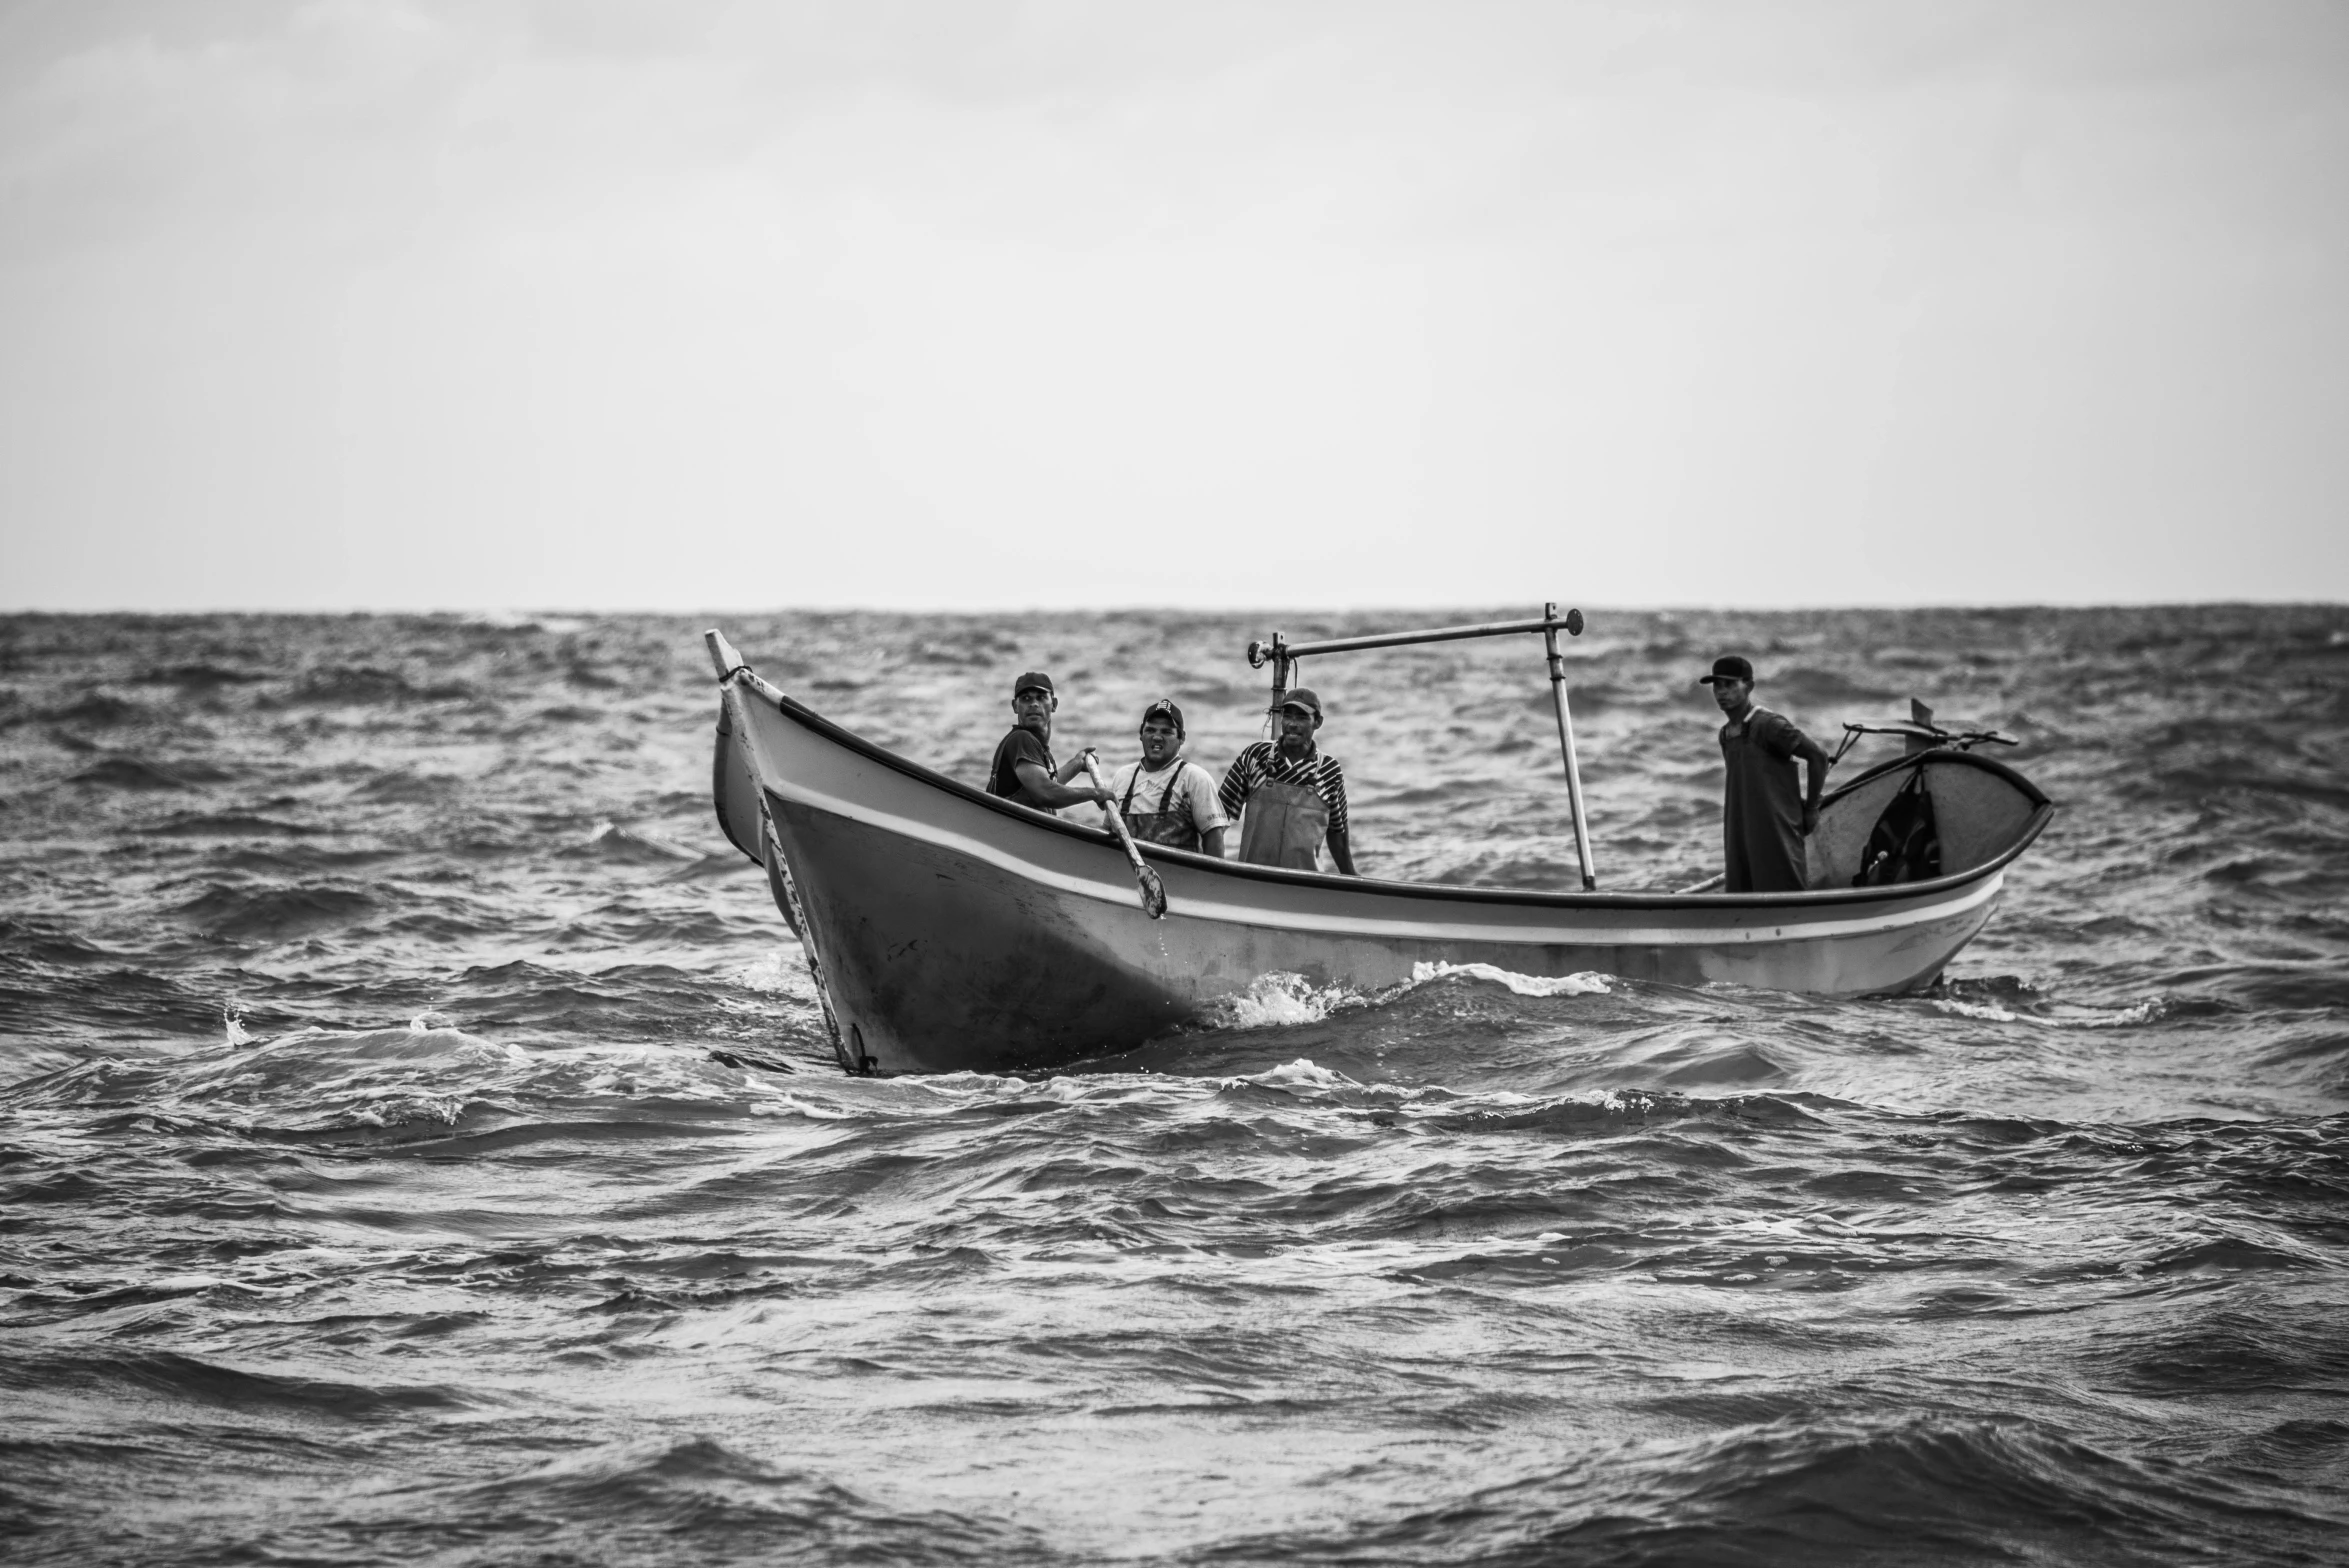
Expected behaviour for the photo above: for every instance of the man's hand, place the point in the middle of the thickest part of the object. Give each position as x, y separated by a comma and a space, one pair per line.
1815, 765
1341, 851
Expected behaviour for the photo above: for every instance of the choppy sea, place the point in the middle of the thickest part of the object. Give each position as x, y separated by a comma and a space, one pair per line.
370, 1192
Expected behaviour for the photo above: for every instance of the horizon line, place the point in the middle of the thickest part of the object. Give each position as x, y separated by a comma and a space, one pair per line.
1431, 606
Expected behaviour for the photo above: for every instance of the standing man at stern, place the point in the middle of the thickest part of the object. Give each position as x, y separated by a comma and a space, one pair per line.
1293, 796
1765, 816
1166, 798
1023, 769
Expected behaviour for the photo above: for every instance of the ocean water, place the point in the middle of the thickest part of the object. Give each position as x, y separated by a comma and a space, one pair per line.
370, 1191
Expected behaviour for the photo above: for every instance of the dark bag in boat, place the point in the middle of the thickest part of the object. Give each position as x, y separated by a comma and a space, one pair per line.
1905, 844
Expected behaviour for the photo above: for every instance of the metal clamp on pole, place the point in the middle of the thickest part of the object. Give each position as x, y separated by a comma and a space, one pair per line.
1283, 662
1590, 876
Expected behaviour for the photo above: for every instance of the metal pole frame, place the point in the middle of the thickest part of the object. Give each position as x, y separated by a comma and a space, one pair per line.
1283, 655
1590, 875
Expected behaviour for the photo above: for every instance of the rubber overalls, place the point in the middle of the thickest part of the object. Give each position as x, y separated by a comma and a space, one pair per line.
1173, 828
1284, 826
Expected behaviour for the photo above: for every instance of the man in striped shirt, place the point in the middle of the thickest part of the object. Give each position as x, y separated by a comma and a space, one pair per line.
1290, 797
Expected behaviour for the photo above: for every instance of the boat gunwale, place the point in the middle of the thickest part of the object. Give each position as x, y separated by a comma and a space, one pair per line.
1809, 898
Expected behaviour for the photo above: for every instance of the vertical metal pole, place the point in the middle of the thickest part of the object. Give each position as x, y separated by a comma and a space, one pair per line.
1590, 877
1281, 664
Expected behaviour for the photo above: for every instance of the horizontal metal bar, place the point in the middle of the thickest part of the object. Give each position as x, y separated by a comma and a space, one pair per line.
1571, 625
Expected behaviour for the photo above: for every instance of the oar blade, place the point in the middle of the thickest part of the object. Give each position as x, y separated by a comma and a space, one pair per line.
1153, 894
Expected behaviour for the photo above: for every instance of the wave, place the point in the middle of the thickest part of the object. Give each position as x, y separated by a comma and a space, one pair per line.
276, 914
1935, 1488
360, 686
133, 773
228, 824
181, 1380
100, 709
1277, 1001
1281, 1000
199, 677
610, 841
634, 1501
1583, 984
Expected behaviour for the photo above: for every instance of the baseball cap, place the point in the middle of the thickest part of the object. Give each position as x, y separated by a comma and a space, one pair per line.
1729, 667
1303, 697
1034, 678
1165, 708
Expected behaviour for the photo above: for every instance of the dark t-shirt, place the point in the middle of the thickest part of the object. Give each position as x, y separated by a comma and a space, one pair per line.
1003, 777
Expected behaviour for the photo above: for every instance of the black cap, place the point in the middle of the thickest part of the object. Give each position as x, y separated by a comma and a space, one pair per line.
1729, 667
1303, 697
1165, 708
1033, 680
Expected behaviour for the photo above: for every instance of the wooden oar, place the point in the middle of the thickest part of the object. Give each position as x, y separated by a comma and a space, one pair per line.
1153, 890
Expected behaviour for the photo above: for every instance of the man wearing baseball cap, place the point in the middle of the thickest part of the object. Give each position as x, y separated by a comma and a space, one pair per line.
1166, 798
1290, 797
1023, 769
1765, 814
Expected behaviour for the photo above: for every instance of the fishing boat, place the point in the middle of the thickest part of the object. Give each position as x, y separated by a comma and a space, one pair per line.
949, 930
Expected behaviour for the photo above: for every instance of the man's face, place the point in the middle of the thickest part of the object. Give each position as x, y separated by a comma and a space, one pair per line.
1032, 710
1296, 731
1159, 741
1731, 694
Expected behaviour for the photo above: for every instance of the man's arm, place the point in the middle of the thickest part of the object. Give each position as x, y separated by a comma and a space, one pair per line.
1341, 851
1814, 764
1038, 787
1200, 796
1234, 793
1341, 843
1075, 765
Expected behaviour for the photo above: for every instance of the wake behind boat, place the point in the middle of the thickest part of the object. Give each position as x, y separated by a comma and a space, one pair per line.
949, 929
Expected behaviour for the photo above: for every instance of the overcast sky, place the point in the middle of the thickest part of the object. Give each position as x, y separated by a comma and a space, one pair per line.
364, 303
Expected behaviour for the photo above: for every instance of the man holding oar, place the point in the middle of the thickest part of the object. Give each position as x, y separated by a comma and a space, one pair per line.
1023, 769
1765, 815
1293, 795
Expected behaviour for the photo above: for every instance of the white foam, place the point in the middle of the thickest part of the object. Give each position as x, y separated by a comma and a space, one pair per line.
2145, 1012
1586, 983
1984, 1010
2148, 1011
773, 974
1277, 1000
782, 1103
1303, 1072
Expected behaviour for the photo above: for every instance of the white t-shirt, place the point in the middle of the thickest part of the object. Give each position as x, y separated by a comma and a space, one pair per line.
1180, 783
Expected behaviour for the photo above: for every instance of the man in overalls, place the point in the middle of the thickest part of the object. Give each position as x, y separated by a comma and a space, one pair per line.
1765, 815
1166, 798
1289, 796
1023, 769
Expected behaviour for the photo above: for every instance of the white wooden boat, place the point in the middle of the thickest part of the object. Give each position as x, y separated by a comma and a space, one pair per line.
949, 929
